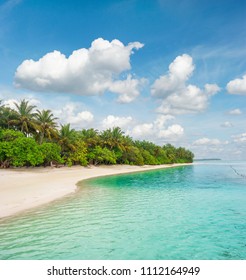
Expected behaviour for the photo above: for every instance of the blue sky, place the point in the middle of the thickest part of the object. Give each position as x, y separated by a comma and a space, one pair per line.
164, 70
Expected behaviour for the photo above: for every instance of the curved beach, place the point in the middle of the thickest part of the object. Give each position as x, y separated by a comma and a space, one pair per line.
23, 189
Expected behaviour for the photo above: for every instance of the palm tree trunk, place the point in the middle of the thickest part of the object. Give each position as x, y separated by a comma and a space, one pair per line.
41, 138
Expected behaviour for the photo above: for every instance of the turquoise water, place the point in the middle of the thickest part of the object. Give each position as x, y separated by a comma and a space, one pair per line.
189, 212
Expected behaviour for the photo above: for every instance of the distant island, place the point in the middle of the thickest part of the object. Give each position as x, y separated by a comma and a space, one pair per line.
205, 159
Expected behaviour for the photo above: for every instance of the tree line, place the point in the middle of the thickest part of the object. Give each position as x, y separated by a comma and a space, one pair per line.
33, 137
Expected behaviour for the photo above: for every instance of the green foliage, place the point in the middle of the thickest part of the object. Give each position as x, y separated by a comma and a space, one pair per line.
133, 156
101, 155
24, 118
79, 156
21, 151
67, 137
46, 125
6, 116
161, 156
4, 148
29, 137
8, 138
170, 152
148, 158
90, 137
51, 153
112, 139
10, 135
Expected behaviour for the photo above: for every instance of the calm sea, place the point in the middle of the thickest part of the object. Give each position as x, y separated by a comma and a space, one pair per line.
190, 212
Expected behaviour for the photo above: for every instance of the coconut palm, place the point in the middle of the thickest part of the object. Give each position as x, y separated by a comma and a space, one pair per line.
127, 142
47, 125
6, 116
24, 118
1, 105
113, 138
2, 115
90, 137
67, 138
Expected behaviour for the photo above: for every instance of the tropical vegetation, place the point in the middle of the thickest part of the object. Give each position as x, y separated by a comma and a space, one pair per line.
30, 137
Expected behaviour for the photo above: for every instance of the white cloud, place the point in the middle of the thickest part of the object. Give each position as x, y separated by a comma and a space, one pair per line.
176, 96
227, 124
11, 102
179, 71
209, 142
235, 112
237, 86
181, 68
241, 138
85, 116
171, 132
211, 89
142, 130
127, 89
114, 121
162, 120
158, 129
71, 113
152, 131
86, 71
215, 148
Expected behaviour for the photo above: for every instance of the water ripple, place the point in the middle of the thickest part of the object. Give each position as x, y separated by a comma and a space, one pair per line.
194, 212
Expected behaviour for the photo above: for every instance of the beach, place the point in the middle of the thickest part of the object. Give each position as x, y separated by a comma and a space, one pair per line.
26, 188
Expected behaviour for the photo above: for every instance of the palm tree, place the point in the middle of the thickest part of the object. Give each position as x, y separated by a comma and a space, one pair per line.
67, 138
170, 152
113, 138
1, 105
127, 142
3, 121
6, 116
47, 125
90, 137
24, 119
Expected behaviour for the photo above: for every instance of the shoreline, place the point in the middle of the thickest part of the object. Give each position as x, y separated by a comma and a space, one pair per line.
23, 189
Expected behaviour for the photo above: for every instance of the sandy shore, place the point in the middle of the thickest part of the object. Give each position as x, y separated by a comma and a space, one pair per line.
23, 189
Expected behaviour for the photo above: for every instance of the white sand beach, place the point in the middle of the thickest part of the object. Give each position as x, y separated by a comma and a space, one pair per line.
24, 188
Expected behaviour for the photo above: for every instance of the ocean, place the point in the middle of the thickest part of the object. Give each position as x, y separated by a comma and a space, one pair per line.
195, 212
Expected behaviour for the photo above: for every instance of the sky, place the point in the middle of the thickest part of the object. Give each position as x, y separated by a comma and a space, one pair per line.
167, 71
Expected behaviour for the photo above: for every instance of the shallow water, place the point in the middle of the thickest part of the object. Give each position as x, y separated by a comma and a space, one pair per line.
189, 212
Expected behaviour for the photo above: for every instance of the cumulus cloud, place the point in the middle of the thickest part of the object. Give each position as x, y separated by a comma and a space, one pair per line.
237, 86
241, 138
127, 89
114, 121
227, 124
71, 113
11, 102
143, 130
84, 116
68, 112
158, 129
177, 97
235, 112
86, 71
175, 130
210, 142
161, 120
